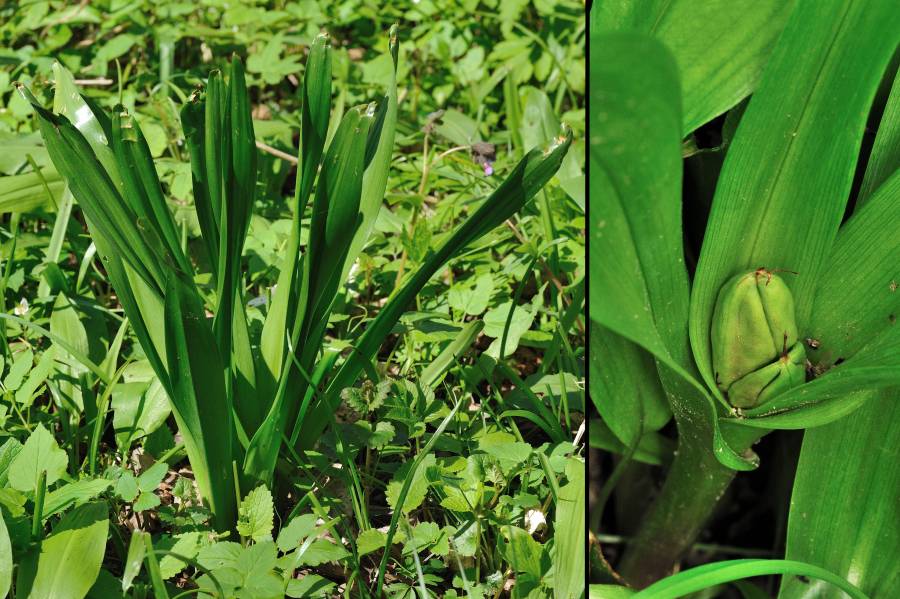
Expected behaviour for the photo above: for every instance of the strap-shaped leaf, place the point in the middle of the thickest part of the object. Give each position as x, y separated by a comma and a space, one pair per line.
884, 159
200, 404
639, 285
316, 101
193, 120
238, 173
857, 298
844, 504
787, 176
526, 179
375, 177
213, 154
96, 193
625, 386
720, 46
335, 216
86, 117
142, 189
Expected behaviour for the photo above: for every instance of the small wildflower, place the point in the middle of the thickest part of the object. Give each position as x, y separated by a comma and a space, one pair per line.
21, 308
485, 154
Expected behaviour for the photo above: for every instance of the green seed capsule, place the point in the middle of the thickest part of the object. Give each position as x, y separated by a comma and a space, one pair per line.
758, 387
754, 339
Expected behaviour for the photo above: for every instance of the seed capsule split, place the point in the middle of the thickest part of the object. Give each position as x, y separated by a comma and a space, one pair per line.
756, 355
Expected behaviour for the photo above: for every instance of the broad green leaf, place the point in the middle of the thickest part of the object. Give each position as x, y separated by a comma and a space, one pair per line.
787, 176
26, 192
635, 228
843, 514
115, 47
625, 386
187, 545
471, 300
26, 392
568, 534
495, 326
6, 559
639, 283
720, 46
311, 585
884, 159
256, 515
290, 536
200, 404
40, 453
22, 364
73, 494
857, 298
140, 405
370, 540
137, 549
322, 551
523, 553
376, 175
418, 486
71, 556
66, 324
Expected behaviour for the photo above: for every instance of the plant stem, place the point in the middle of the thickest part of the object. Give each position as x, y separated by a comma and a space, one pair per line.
694, 484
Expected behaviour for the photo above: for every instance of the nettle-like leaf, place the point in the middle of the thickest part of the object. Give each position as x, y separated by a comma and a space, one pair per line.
300, 527
256, 515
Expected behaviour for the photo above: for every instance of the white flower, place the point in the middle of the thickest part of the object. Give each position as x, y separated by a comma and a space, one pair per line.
21, 309
534, 521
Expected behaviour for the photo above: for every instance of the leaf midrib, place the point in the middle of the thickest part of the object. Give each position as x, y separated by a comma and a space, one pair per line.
792, 138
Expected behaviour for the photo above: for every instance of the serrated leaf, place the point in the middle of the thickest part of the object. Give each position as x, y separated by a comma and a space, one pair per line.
418, 487
256, 515
127, 486
322, 551
188, 545
73, 494
382, 435
370, 540
297, 529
